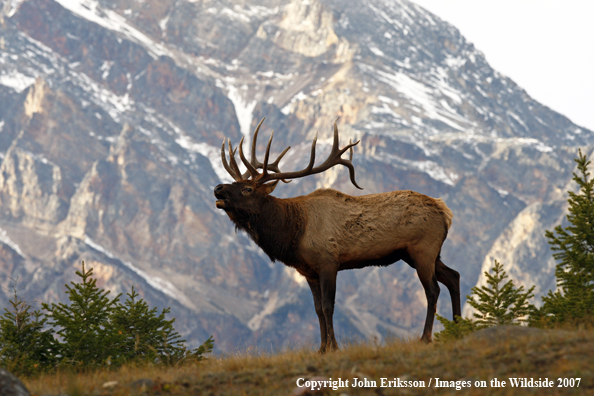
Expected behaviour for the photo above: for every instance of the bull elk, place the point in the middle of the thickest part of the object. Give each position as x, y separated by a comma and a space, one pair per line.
327, 231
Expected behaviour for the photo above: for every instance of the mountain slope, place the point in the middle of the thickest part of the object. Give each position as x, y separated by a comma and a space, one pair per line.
111, 116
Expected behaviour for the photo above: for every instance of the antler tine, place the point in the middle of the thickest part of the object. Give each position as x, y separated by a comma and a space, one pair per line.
312, 157
274, 166
340, 152
254, 161
349, 163
250, 167
275, 163
226, 164
333, 159
233, 162
267, 155
351, 150
335, 138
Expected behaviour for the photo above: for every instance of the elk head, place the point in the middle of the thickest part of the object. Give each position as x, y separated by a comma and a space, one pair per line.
251, 189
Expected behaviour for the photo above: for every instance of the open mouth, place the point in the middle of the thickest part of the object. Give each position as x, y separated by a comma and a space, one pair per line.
221, 203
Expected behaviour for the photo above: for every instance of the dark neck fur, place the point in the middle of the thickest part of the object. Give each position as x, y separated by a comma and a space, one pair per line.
277, 228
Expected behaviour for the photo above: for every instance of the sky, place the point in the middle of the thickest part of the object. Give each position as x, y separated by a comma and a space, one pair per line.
545, 46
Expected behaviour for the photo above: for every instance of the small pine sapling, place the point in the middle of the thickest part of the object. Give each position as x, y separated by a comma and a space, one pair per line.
148, 336
25, 345
500, 304
496, 304
88, 339
454, 329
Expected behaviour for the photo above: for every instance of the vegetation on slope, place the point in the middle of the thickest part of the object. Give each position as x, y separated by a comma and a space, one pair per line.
92, 331
508, 352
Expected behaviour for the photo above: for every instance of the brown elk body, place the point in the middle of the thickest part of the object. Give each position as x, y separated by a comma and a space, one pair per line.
327, 231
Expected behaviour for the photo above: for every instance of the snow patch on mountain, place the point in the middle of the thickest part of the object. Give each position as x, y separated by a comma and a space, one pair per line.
4, 238
243, 108
92, 11
423, 96
16, 80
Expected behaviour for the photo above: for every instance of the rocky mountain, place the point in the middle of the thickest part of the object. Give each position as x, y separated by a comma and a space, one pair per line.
111, 118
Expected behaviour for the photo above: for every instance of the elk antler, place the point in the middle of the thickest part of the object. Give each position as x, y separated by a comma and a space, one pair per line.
233, 171
253, 165
333, 159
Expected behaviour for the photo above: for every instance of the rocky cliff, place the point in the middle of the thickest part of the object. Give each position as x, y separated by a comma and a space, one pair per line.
111, 117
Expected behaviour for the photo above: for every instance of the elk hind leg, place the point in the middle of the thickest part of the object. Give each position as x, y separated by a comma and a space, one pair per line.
425, 267
451, 279
316, 291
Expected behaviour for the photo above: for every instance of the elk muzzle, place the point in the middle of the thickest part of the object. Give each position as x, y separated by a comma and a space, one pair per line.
222, 200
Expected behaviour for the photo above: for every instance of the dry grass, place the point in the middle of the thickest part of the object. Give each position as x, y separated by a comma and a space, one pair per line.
550, 354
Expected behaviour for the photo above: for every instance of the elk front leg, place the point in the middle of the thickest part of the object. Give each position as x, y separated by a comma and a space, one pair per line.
328, 286
316, 291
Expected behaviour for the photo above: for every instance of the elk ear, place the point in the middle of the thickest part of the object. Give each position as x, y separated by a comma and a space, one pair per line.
269, 188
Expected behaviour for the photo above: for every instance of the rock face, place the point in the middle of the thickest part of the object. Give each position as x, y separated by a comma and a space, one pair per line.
11, 385
111, 117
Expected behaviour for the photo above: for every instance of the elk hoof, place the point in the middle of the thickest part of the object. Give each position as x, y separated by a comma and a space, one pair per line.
426, 339
328, 348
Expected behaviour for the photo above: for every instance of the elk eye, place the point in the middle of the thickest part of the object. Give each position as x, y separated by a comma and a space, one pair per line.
247, 190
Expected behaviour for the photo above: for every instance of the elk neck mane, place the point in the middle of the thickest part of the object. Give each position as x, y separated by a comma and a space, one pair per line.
277, 227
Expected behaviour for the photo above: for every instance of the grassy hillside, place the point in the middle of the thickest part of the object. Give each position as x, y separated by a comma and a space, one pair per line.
501, 353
